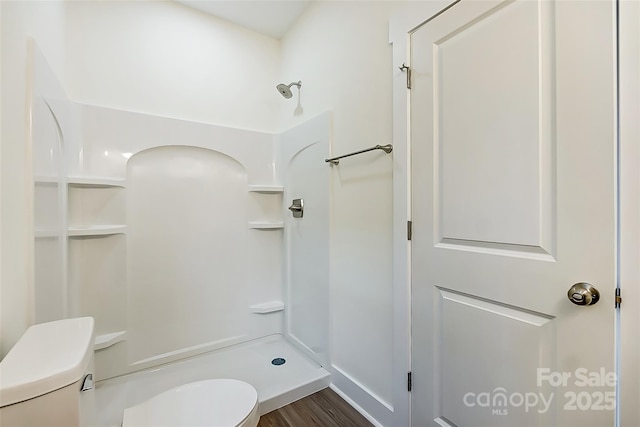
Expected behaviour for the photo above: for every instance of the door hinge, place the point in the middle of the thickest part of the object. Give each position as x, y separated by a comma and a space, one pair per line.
409, 230
408, 71
618, 298
409, 381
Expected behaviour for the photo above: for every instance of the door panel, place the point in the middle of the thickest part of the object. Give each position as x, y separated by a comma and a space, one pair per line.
479, 339
512, 150
482, 184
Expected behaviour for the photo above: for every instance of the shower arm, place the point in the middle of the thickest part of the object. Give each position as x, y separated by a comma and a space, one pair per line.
336, 160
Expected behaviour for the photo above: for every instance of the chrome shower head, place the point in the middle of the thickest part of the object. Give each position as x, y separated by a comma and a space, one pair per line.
285, 90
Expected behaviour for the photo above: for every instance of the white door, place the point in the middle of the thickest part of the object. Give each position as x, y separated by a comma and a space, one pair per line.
513, 195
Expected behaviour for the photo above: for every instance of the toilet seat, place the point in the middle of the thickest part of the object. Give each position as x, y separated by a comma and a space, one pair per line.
210, 403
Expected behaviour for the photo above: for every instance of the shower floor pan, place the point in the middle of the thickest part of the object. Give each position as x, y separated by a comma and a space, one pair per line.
250, 362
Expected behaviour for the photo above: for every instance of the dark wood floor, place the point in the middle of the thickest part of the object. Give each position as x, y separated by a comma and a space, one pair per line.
322, 409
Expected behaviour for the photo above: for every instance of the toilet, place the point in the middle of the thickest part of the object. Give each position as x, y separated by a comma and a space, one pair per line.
211, 403
46, 379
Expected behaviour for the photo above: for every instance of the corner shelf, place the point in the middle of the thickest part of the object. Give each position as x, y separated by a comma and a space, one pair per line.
45, 234
107, 340
96, 230
46, 180
95, 182
263, 225
267, 307
268, 189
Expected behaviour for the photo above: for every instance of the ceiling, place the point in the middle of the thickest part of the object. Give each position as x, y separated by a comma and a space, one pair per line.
270, 17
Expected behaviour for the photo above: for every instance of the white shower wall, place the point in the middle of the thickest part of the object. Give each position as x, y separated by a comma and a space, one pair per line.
49, 195
172, 275
303, 150
175, 235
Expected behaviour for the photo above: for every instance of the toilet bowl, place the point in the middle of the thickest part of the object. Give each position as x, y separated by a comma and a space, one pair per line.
208, 403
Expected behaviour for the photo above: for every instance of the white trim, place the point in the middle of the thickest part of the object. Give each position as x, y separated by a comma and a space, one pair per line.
629, 193
355, 406
400, 28
364, 388
369, 405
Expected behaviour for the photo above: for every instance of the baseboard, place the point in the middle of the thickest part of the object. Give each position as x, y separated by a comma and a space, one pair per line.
372, 407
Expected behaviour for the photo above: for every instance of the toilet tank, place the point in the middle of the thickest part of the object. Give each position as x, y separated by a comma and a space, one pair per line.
46, 379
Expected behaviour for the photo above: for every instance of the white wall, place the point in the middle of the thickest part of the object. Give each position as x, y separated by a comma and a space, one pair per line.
43, 21
340, 51
166, 59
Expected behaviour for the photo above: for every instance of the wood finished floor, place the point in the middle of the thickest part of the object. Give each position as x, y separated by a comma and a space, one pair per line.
322, 409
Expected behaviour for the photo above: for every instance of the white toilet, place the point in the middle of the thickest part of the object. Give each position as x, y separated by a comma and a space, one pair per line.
47, 380
211, 403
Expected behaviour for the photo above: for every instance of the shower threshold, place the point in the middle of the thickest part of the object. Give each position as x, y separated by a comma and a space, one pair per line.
277, 385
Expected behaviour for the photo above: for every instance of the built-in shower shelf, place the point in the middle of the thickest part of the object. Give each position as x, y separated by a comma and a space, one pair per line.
45, 233
95, 182
266, 188
267, 307
107, 340
46, 180
266, 225
96, 230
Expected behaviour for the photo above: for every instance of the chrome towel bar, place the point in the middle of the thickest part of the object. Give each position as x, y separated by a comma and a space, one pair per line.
336, 160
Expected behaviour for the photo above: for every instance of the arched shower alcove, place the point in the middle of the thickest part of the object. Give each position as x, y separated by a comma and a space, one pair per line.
186, 252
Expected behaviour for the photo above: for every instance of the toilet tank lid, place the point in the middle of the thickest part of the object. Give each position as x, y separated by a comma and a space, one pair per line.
47, 357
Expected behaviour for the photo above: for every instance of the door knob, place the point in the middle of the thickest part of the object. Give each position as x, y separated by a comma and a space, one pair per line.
583, 294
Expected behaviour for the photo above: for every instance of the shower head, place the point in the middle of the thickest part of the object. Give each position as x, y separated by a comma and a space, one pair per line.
285, 90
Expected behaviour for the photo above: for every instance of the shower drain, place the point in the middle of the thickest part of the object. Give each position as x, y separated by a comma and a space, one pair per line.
278, 361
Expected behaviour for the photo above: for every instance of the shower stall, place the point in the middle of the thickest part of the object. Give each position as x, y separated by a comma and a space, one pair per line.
175, 236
